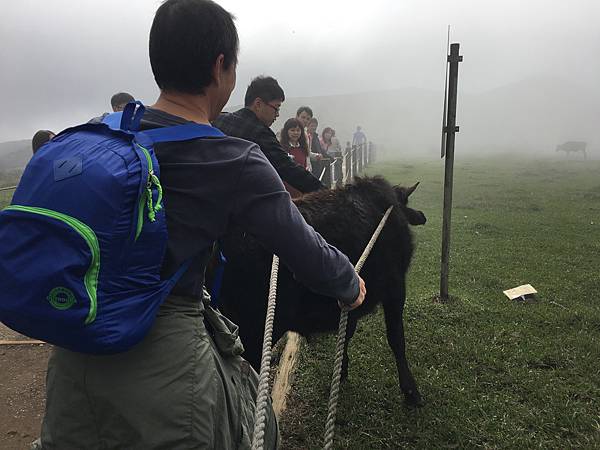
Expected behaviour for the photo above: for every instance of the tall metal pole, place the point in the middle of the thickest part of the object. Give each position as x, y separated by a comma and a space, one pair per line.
454, 58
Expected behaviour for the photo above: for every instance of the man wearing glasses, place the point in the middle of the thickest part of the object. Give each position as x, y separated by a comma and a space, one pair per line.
263, 99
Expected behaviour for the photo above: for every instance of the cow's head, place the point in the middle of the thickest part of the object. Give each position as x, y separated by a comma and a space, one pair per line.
414, 217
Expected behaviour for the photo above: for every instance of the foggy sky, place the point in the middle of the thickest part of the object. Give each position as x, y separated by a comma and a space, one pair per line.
63, 59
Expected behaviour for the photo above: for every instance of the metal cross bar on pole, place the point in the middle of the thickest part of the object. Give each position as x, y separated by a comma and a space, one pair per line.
450, 130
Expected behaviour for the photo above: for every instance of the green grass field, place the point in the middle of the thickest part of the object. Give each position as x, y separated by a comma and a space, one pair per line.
8, 178
494, 373
5, 197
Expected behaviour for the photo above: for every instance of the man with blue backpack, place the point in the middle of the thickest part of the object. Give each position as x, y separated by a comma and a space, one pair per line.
104, 247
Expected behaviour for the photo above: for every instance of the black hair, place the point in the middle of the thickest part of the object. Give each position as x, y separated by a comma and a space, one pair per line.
285, 139
121, 98
265, 88
40, 138
302, 109
327, 130
186, 38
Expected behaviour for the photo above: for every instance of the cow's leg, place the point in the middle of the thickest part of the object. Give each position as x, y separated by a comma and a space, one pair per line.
253, 345
252, 348
393, 307
350, 329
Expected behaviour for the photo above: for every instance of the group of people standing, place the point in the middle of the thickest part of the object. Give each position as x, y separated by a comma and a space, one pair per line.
300, 139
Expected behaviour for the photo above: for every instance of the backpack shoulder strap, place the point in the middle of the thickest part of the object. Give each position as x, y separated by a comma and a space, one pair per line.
182, 132
127, 120
130, 118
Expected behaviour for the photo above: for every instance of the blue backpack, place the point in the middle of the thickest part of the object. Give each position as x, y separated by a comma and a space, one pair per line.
82, 243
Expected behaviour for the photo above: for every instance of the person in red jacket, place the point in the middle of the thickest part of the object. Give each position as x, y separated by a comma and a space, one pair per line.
293, 141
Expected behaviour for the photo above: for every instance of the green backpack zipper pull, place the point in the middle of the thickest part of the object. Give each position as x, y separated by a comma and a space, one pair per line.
153, 209
146, 199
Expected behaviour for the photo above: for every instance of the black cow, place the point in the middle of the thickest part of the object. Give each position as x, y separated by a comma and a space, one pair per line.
346, 218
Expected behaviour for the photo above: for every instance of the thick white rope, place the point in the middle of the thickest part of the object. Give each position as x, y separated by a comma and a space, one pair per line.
260, 414
341, 339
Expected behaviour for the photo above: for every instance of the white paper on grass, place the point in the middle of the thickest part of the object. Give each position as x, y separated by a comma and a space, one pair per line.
520, 291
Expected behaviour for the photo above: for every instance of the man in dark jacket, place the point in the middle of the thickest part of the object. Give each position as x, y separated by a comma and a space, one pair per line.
185, 385
263, 99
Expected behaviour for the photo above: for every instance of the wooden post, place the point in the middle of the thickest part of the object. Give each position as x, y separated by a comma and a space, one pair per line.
338, 174
371, 153
359, 158
363, 154
326, 167
353, 164
454, 58
332, 167
347, 163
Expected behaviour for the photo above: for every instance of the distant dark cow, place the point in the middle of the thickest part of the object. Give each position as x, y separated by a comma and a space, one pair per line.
573, 146
346, 218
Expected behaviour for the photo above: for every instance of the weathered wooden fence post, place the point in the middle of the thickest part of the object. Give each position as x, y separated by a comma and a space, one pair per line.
450, 130
371, 153
362, 162
347, 163
337, 177
359, 158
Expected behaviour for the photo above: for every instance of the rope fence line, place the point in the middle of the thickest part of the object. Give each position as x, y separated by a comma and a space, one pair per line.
341, 169
7, 188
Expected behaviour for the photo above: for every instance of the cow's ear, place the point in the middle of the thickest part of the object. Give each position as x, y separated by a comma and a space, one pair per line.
400, 194
411, 189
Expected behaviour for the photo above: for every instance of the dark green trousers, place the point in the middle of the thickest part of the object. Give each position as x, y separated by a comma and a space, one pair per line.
182, 387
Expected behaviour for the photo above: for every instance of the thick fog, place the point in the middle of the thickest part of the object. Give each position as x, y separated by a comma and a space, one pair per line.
529, 79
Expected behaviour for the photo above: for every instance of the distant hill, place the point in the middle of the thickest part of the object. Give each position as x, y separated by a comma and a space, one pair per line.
14, 154
531, 115
534, 114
